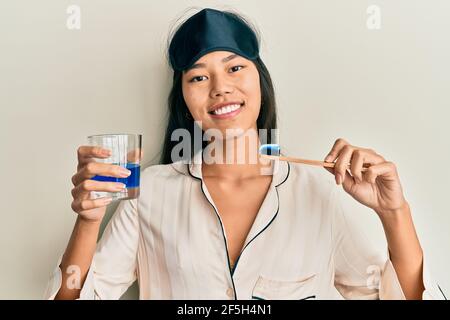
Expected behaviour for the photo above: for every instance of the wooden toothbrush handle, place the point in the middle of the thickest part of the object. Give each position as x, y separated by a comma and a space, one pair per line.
310, 162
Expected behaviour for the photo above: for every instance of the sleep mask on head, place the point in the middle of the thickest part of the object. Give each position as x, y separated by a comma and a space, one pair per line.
211, 30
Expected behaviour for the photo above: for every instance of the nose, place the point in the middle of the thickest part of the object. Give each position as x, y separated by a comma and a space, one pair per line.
220, 87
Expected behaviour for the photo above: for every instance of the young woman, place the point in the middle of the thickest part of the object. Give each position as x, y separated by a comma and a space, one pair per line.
211, 230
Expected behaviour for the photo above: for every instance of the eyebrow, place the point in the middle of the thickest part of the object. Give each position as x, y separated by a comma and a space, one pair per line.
203, 65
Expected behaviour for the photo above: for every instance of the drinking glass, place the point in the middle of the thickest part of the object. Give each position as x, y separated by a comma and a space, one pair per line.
126, 151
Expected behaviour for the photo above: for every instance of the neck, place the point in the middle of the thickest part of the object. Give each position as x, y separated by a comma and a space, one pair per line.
234, 158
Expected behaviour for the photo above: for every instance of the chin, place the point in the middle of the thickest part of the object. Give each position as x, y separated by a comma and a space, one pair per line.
237, 131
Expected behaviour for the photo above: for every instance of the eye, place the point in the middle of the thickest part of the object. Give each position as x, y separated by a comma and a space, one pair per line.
236, 68
197, 79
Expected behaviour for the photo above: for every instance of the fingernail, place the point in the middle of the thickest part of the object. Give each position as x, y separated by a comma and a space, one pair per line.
121, 186
338, 178
124, 172
328, 158
106, 152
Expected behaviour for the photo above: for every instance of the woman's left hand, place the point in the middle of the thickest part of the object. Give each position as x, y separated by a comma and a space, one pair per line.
378, 188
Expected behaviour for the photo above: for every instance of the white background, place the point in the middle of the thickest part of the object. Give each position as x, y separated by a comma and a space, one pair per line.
384, 89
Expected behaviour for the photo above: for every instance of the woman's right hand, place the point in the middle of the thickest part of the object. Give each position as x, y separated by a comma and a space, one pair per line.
93, 210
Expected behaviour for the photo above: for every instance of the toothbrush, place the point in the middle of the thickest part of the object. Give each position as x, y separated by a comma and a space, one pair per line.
272, 151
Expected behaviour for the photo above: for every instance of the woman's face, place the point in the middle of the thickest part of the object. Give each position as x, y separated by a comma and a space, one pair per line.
222, 90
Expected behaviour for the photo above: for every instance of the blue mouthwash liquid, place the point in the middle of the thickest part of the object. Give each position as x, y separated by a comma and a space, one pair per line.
132, 181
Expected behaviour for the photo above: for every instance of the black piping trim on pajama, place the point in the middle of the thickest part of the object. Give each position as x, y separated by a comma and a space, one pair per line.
308, 298
223, 232
442, 292
276, 214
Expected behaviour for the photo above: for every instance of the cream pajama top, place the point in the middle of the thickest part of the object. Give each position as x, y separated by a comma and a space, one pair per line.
302, 244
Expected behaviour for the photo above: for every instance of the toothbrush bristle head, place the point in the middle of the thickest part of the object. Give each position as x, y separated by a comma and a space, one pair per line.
270, 149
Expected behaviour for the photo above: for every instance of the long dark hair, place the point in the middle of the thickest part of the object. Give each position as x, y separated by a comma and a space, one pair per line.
180, 117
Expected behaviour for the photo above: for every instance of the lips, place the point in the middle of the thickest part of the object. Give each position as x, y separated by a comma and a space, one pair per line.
226, 108
225, 113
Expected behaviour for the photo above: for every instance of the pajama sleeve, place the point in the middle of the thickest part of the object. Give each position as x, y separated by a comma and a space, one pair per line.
113, 268
361, 272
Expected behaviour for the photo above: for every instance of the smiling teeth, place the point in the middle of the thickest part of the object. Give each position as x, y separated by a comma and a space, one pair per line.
227, 109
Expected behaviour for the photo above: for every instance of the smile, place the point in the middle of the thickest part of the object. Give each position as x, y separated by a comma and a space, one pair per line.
227, 111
